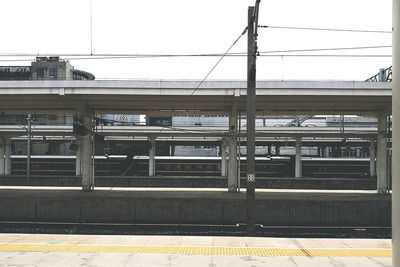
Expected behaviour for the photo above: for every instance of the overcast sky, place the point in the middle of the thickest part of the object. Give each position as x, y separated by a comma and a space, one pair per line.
207, 26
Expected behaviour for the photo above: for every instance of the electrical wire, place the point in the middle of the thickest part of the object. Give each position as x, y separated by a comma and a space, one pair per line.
215, 65
112, 55
329, 55
326, 49
260, 54
211, 70
323, 29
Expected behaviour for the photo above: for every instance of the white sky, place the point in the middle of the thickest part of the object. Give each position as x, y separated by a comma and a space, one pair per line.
206, 26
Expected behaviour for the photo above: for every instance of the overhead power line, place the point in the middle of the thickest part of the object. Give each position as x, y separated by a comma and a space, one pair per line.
211, 70
326, 49
182, 55
328, 55
323, 29
145, 56
215, 65
205, 78
259, 55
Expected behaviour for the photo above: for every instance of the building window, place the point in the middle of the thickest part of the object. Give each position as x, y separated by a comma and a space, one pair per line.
53, 73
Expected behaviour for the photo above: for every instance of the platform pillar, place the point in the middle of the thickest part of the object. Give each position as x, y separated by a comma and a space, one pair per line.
298, 163
372, 165
224, 145
152, 156
381, 157
320, 152
326, 152
2, 150
7, 156
78, 161
87, 154
233, 167
396, 133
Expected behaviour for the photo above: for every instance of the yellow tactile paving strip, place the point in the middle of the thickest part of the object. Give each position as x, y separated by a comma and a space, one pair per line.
198, 250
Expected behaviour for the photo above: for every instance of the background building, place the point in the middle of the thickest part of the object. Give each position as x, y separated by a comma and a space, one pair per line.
44, 68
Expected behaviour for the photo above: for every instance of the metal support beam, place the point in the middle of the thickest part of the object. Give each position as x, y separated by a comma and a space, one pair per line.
396, 134
87, 154
232, 172
382, 159
372, 164
224, 145
298, 163
152, 156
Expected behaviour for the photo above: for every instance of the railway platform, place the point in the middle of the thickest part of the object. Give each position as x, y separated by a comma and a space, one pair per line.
141, 250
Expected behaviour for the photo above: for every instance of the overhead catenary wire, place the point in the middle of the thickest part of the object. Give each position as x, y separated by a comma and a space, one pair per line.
325, 49
260, 55
186, 100
234, 54
323, 29
329, 55
84, 56
215, 65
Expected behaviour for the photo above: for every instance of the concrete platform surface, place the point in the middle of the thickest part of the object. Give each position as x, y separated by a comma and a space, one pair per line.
101, 250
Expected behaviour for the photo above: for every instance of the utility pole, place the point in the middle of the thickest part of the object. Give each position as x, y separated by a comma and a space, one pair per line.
251, 117
28, 150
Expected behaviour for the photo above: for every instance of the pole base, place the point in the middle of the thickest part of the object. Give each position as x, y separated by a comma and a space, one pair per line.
87, 188
233, 189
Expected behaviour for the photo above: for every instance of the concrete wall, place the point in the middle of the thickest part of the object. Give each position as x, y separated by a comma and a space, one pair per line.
283, 209
195, 182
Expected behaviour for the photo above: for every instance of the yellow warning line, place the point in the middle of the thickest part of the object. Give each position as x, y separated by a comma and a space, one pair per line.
198, 250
